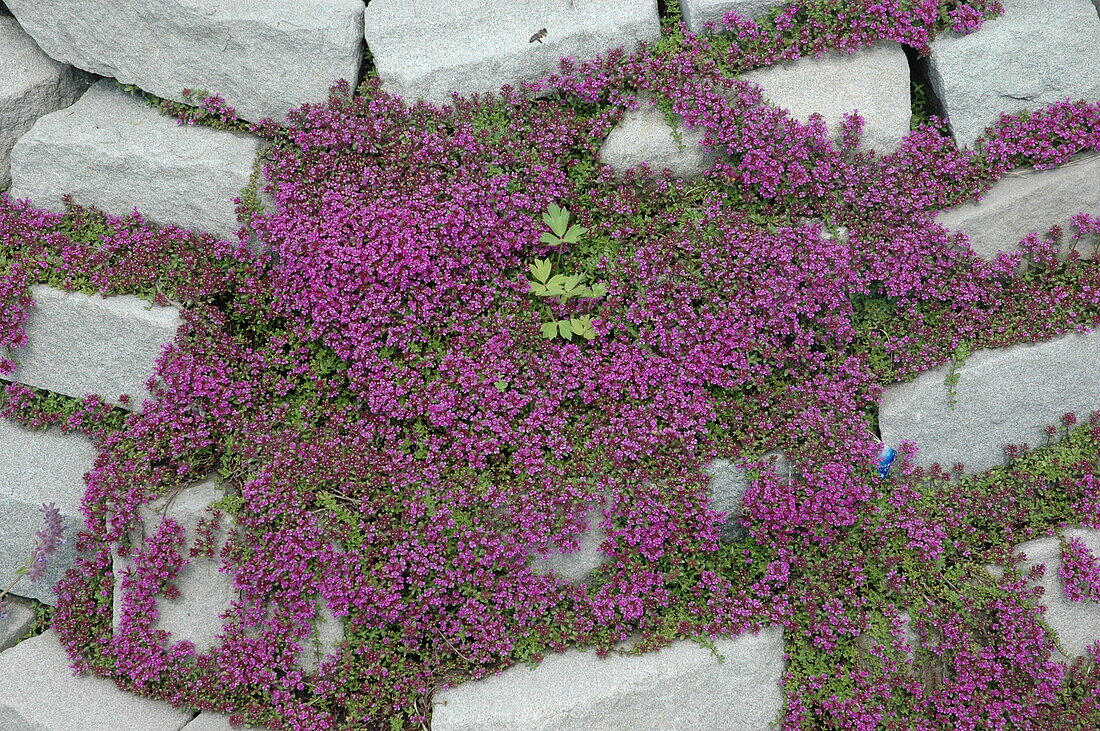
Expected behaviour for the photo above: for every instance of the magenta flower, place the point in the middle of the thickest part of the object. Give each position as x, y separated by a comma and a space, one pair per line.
1079, 571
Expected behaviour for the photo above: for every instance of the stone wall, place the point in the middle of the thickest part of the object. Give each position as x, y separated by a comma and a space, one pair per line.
62, 134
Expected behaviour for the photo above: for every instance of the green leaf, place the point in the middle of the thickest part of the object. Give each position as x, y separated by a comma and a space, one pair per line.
550, 239
540, 269
565, 329
549, 330
574, 234
597, 290
501, 385
572, 281
556, 286
583, 326
557, 219
539, 290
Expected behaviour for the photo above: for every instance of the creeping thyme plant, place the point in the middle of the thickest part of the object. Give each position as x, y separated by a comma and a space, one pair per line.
399, 432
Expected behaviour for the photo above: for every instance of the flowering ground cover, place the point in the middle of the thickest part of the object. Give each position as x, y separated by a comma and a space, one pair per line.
378, 387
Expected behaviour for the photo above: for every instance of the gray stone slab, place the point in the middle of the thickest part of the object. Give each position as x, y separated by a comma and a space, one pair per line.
205, 593
114, 151
697, 13
1003, 396
38, 692
874, 81
1077, 624
263, 56
867, 641
31, 85
1029, 201
682, 686
39, 467
426, 49
728, 482
1037, 53
328, 631
79, 344
20, 618
576, 567
645, 136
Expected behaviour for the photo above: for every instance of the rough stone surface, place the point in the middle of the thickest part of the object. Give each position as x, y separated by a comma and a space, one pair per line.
576, 567
1037, 53
681, 686
20, 618
1003, 396
205, 593
31, 85
39, 467
1027, 201
79, 344
263, 57
728, 484
1077, 624
426, 49
114, 151
697, 13
328, 632
38, 692
644, 136
868, 641
874, 81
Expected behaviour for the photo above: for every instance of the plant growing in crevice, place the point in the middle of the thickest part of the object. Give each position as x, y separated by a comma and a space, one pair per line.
951, 379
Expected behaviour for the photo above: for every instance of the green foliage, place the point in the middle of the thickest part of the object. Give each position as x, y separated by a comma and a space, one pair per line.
579, 326
338, 512
190, 111
43, 617
561, 232
999, 508
951, 380
562, 287
672, 120
494, 121
46, 409
231, 504
875, 320
88, 227
250, 196
919, 101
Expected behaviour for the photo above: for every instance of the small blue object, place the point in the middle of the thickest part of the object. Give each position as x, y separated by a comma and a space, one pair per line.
885, 460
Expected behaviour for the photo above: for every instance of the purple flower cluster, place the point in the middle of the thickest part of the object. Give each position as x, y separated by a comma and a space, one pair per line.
48, 541
1079, 571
